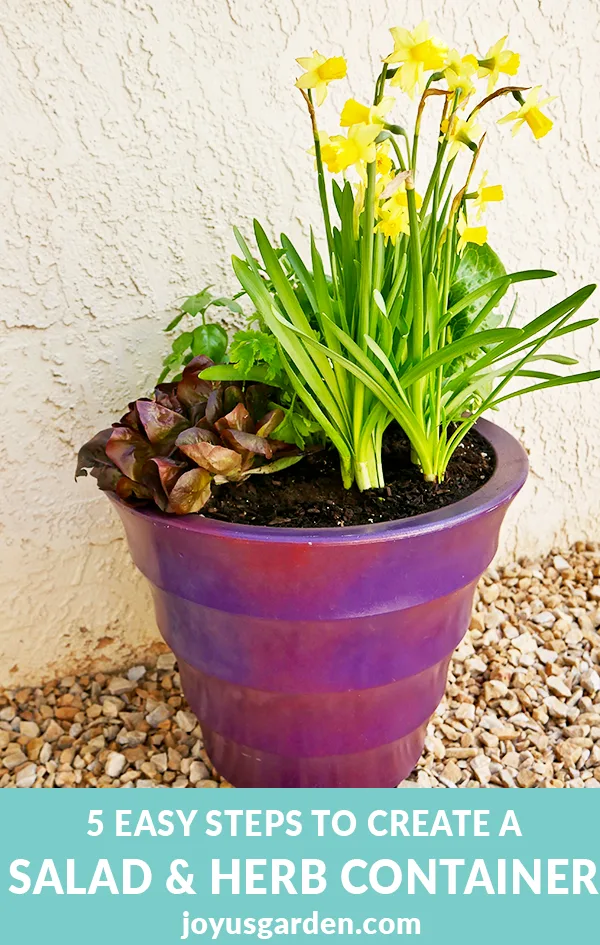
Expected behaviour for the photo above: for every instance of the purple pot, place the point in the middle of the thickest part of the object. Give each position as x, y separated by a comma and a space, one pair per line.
316, 657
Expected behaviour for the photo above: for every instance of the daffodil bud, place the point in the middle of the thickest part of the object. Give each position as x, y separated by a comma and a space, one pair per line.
395, 129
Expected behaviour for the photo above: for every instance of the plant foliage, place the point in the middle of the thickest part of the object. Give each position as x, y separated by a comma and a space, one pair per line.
399, 318
169, 449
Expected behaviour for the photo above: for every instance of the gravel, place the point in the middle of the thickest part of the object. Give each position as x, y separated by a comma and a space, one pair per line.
522, 704
128, 729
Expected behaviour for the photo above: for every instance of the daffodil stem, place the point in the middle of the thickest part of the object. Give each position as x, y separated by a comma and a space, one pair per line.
365, 292
320, 175
398, 152
435, 174
418, 320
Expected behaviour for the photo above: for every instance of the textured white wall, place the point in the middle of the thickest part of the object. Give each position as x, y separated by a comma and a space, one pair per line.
135, 133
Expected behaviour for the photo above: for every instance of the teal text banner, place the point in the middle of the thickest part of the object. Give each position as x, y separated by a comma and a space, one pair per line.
240, 865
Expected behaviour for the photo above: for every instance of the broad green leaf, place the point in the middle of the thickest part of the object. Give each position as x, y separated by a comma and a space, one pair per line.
231, 372
477, 267
231, 304
175, 321
210, 340
197, 303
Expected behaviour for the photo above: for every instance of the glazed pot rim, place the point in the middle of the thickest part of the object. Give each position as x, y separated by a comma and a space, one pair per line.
504, 483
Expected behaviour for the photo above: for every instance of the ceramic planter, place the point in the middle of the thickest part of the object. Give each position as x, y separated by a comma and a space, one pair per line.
316, 657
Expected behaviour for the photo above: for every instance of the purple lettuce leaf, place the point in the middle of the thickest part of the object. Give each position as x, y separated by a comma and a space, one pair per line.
214, 406
93, 453
129, 451
236, 419
166, 396
270, 422
160, 475
232, 395
256, 398
191, 389
243, 442
215, 459
161, 425
190, 493
127, 489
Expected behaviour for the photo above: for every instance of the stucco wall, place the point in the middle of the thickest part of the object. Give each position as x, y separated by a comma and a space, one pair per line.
135, 133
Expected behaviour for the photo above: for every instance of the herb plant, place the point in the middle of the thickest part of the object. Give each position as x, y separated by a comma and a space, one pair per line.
398, 319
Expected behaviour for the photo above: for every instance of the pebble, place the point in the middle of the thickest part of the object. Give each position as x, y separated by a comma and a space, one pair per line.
556, 707
186, 721
198, 772
117, 685
115, 764
160, 714
13, 758
591, 681
166, 661
558, 687
451, 772
136, 673
27, 774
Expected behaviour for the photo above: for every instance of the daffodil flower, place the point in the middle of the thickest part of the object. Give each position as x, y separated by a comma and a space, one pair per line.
530, 113
356, 149
399, 201
487, 193
319, 73
460, 134
458, 74
415, 53
470, 234
498, 60
393, 223
354, 113
384, 162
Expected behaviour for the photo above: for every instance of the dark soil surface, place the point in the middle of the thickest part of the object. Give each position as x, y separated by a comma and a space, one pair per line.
310, 494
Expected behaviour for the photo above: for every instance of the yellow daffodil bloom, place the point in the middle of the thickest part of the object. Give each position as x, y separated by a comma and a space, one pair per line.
356, 149
415, 53
399, 201
530, 113
458, 74
383, 167
319, 73
461, 134
324, 139
384, 163
393, 222
470, 234
487, 193
498, 60
354, 113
